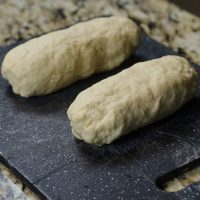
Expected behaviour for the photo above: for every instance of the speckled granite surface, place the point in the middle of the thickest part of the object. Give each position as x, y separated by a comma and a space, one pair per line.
12, 188
161, 20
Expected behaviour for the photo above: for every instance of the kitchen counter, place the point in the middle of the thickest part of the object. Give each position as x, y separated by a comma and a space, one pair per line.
11, 188
160, 19
163, 21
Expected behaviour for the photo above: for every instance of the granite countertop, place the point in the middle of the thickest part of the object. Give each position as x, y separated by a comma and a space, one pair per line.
160, 19
11, 188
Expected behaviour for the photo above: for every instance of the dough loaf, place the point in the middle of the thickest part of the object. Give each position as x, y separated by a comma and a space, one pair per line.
53, 61
142, 94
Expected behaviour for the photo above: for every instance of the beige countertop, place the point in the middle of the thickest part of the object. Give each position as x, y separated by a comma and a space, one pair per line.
11, 188
160, 19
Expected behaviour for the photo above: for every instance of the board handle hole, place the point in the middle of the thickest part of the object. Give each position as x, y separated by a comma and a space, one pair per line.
180, 178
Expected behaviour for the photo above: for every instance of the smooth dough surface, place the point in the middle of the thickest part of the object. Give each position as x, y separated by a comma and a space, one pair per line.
131, 99
55, 60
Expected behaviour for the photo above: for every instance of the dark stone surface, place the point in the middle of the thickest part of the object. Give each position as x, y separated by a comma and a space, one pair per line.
36, 143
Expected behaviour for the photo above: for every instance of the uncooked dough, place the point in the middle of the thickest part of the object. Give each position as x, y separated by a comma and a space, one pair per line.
55, 60
131, 99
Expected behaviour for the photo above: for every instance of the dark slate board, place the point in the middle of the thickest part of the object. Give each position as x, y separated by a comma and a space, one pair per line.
36, 143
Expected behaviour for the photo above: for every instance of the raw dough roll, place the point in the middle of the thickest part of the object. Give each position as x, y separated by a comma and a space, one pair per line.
55, 60
131, 99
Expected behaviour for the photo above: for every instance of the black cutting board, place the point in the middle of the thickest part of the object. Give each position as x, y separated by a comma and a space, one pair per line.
37, 144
